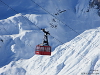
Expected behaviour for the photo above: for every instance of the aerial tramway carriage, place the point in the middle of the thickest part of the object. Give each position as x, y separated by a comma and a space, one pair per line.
44, 48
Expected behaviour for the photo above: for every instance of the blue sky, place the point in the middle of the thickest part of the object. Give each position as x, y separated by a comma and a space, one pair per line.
21, 6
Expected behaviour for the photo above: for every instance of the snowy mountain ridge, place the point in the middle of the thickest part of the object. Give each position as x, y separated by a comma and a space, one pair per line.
72, 58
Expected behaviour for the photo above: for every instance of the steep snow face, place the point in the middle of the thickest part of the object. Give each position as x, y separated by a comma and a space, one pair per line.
6, 55
80, 55
14, 24
19, 30
25, 33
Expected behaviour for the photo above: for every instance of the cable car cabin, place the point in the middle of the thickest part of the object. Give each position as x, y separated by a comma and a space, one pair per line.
43, 50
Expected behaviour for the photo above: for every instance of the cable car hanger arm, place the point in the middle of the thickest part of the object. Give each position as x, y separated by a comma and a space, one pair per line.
46, 32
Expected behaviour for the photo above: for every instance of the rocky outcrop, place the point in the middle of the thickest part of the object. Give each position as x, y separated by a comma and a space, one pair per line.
96, 4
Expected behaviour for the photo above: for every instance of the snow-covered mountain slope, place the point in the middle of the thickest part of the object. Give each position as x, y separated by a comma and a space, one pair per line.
20, 33
80, 55
20, 36
27, 32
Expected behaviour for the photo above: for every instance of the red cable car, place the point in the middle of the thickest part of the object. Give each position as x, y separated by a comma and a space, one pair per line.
44, 48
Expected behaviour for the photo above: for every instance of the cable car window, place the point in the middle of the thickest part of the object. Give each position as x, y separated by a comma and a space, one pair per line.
48, 49
42, 48
37, 48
